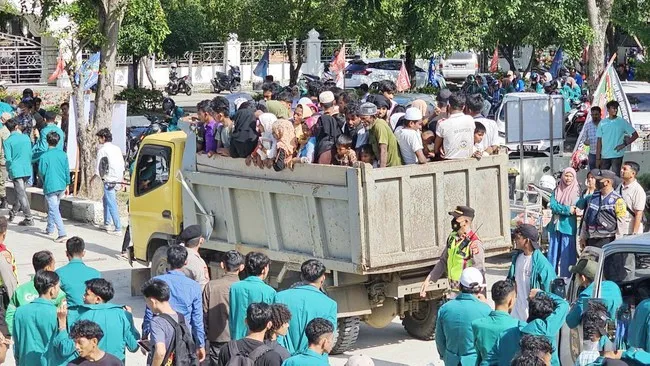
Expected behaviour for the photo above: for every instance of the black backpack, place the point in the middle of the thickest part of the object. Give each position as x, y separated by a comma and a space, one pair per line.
239, 359
181, 351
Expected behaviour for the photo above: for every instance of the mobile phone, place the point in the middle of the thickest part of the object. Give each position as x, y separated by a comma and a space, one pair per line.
144, 343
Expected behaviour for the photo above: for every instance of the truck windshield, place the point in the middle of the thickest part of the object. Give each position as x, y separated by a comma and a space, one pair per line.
153, 168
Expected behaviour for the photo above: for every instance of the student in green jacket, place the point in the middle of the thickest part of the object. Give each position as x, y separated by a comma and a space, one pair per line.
320, 334
39, 332
535, 350
18, 158
585, 270
487, 330
306, 302
75, 274
454, 337
54, 172
42, 144
529, 269
639, 331
547, 314
248, 291
116, 321
26, 293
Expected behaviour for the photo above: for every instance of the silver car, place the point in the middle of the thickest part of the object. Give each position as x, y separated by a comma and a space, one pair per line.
459, 65
368, 71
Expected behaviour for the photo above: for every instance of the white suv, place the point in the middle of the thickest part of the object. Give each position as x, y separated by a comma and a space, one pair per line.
368, 71
459, 65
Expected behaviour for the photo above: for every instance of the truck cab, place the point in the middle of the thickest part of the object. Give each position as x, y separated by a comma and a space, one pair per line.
625, 262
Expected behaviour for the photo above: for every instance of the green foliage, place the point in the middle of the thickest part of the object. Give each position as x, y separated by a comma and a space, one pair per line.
643, 71
144, 28
644, 180
187, 25
427, 90
141, 99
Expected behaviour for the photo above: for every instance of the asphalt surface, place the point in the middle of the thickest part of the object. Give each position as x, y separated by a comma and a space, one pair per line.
390, 346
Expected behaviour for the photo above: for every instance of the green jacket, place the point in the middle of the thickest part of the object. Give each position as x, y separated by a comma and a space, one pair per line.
566, 223
41, 145
18, 155
116, 323
54, 170
542, 273
454, 337
637, 356
25, 294
486, 333
307, 357
610, 295
305, 303
640, 326
73, 277
508, 344
242, 294
37, 340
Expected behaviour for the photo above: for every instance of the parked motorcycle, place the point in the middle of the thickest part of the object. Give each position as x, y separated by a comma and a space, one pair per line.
135, 135
577, 117
230, 81
179, 85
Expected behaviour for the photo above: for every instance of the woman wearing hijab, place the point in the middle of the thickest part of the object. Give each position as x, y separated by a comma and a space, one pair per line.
562, 229
422, 106
285, 136
244, 134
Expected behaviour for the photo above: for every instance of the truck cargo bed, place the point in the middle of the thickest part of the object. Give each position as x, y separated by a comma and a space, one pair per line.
356, 220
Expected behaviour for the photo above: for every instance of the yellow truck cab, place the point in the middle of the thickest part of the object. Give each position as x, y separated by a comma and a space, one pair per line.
378, 231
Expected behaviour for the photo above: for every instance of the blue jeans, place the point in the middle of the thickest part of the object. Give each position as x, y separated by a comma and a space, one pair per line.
53, 213
562, 252
110, 207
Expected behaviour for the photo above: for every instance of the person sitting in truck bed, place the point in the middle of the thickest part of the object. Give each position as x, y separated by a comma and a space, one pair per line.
285, 135
455, 135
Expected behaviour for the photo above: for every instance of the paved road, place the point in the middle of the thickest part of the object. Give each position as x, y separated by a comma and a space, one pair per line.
388, 346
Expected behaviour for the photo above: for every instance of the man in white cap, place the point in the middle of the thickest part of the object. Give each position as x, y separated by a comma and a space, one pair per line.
381, 136
454, 336
409, 138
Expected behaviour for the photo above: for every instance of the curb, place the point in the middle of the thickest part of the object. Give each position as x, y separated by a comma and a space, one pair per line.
72, 208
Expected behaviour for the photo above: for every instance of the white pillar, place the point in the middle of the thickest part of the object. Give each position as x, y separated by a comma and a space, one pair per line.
313, 51
232, 52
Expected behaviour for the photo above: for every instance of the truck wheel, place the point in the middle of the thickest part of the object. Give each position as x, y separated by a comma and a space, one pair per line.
422, 324
346, 334
159, 261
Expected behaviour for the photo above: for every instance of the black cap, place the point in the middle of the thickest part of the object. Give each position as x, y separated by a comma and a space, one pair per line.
381, 101
49, 116
443, 95
462, 211
530, 232
603, 174
189, 233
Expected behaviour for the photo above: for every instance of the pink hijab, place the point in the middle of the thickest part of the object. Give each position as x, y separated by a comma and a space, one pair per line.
568, 194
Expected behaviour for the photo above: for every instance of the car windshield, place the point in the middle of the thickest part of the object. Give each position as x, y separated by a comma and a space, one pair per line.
461, 56
640, 102
631, 271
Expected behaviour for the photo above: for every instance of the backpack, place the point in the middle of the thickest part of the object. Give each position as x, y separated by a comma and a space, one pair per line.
239, 359
181, 350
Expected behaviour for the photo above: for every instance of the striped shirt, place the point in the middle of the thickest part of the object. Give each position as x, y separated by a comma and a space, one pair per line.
590, 136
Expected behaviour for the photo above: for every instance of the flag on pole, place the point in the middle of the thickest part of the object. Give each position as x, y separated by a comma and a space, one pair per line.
337, 67
262, 68
60, 68
609, 88
558, 61
494, 63
403, 80
90, 71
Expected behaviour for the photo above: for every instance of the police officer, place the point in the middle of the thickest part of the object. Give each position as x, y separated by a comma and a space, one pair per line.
464, 249
605, 211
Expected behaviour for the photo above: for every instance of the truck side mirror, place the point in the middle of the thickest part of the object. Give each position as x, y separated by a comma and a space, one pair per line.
558, 287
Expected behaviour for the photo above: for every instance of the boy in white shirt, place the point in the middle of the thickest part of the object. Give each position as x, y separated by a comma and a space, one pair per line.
409, 138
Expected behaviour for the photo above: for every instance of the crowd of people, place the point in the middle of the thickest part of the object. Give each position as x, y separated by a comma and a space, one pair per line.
65, 316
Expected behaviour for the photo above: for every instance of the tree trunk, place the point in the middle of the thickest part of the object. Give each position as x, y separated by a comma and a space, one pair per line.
190, 65
148, 67
136, 71
295, 60
598, 20
110, 14
409, 59
508, 54
531, 62
611, 36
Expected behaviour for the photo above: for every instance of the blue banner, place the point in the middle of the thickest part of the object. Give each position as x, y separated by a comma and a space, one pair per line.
558, 61
262, 68
90, 71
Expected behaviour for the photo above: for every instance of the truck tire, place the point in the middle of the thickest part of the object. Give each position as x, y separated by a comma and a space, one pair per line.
346, 334
422, 325
159, 261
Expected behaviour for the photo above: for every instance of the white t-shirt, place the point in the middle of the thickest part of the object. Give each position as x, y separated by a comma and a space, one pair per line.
409, 141
113, 154
523, 269
491, 133
457, 133
635, 198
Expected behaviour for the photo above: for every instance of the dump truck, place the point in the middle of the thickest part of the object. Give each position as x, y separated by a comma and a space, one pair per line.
378, 231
